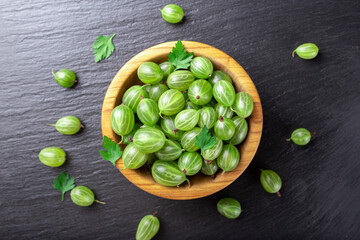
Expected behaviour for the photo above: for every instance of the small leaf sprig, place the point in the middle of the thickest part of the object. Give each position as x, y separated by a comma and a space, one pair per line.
103, 47
64, 183
113, 151
204, 140
179, 57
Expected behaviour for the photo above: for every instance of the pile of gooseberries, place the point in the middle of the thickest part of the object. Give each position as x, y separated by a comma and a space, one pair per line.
161, 120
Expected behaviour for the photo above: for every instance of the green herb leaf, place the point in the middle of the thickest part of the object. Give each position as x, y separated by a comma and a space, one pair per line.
103, 47
113, 151
64, 183
179, 58
204, 140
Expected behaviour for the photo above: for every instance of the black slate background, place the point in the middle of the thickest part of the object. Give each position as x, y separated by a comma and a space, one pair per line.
320, 181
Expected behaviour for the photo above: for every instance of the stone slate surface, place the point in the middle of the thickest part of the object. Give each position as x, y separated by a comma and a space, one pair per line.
320, 181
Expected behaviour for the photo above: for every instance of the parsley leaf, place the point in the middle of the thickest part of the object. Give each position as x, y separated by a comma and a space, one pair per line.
103, 47
113, 150
179, 58
64, 183
204, 140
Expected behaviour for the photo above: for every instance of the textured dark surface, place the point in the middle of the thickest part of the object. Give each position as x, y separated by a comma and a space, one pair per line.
320, 181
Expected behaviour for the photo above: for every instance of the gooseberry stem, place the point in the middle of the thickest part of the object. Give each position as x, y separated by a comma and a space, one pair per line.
161, 115
99, 202
293, 53
156, 212
188, 182
278, 194
52, 71
313, 134
82, 126
288, 139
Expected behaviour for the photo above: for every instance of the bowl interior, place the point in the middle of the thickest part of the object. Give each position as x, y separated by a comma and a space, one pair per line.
201, 185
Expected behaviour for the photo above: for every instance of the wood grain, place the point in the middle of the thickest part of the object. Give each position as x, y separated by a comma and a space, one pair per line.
201, 185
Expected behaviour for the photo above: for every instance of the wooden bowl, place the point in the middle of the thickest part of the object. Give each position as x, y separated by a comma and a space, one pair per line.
201, 185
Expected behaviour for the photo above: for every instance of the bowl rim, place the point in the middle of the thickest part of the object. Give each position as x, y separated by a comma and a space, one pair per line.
255, 121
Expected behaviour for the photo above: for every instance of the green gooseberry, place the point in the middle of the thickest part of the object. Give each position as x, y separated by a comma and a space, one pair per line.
200, 92
132, 96
229, 208
190, 163
180, 80
167, 173
150, 73
201, 67
148, 227
218, 76
83, 196
65, 78
212, 153
149, 139
157, 90
170, 151
129, 138
186, 119
147, 88
208, 117
171, 102
167, 68
133, 158
172, 13
223, 111
167, 124
147, 111
241, 130
209, 168
229, 158
122, 120
243, 105
190, 105
306, 51
224, 93
224, 128
300, 136
153, 126
68, 125
52, 156
188, 139
212, 103
270, 181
